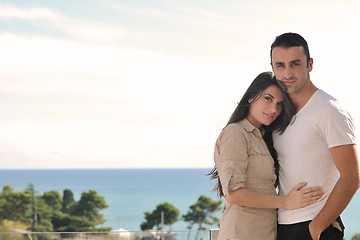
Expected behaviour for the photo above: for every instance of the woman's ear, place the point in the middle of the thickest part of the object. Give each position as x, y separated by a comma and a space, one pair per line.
250, 100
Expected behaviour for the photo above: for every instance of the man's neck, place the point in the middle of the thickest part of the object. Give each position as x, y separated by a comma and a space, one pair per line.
303, 96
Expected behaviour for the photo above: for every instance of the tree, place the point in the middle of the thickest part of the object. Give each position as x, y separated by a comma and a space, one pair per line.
7, 189
65, 223
43, 212
89, 206
25, 207
42, 209
33, 210
53, 200
68, 198
356, 237
201, 213
171, 215
14, 205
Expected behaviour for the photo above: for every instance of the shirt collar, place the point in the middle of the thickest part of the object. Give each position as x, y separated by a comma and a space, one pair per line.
251, 128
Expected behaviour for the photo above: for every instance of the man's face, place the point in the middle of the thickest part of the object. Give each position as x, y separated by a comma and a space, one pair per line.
289, 66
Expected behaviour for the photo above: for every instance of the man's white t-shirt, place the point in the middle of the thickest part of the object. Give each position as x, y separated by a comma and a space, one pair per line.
304, 151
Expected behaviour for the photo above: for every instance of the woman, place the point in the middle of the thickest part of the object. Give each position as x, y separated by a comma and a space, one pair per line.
245, 168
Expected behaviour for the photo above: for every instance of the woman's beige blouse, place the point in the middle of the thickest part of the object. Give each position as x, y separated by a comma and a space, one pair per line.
243, 161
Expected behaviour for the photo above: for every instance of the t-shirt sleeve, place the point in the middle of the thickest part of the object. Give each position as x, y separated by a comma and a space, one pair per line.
338, 126
233, 156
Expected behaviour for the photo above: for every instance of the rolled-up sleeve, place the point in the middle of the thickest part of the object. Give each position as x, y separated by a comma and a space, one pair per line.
232, 158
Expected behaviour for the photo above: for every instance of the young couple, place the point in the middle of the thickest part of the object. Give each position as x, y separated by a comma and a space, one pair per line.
286, 133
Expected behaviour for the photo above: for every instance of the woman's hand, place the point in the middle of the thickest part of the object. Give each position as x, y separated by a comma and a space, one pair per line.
299, 198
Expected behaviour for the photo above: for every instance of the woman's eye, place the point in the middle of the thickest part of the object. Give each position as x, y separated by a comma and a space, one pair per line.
268, 98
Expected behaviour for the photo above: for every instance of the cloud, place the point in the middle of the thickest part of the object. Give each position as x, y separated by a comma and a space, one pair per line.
151, 111
74, 28
88, 102
27, 14
201, 31
183, 31
154, 86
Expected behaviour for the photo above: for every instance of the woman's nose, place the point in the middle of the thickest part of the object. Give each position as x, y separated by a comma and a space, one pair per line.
275, 108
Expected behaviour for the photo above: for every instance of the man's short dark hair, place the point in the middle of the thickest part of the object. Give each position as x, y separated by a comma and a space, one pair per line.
290, 39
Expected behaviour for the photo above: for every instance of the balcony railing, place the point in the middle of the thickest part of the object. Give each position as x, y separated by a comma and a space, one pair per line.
112, 235
129, 235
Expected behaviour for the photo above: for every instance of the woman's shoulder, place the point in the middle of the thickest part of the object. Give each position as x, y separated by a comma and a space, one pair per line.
232, 135
234, 131
243, 125
235, 127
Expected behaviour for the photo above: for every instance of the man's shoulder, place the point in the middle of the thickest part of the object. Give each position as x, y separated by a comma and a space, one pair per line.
332, 115
327, 103
324, 96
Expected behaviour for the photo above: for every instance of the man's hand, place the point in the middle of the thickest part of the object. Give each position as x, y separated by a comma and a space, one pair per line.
346, 161
315, 235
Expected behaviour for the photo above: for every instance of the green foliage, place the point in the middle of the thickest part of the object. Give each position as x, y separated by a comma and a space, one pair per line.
53, 200
14, 205
7, 225
89, 206
66, 223
152, 219
201, 212
40, 213
51, 212
356, 237
68, 198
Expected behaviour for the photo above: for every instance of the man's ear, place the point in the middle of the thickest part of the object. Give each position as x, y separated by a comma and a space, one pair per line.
310, 64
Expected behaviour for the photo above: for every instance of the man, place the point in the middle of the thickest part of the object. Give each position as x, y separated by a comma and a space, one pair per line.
318, 148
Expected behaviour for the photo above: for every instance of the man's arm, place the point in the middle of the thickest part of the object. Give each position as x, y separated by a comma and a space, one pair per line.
346, 161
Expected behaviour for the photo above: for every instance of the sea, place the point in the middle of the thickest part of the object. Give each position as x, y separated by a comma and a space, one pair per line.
131, 192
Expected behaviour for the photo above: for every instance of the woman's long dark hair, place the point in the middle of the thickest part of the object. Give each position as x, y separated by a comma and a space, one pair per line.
260, 83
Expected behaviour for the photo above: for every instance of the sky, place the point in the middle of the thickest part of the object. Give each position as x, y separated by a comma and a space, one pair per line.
150, 84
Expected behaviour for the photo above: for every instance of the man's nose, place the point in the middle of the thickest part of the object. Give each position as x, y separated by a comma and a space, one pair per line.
288, 73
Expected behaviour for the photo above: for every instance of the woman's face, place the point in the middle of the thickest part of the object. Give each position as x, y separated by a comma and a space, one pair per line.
266, 108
